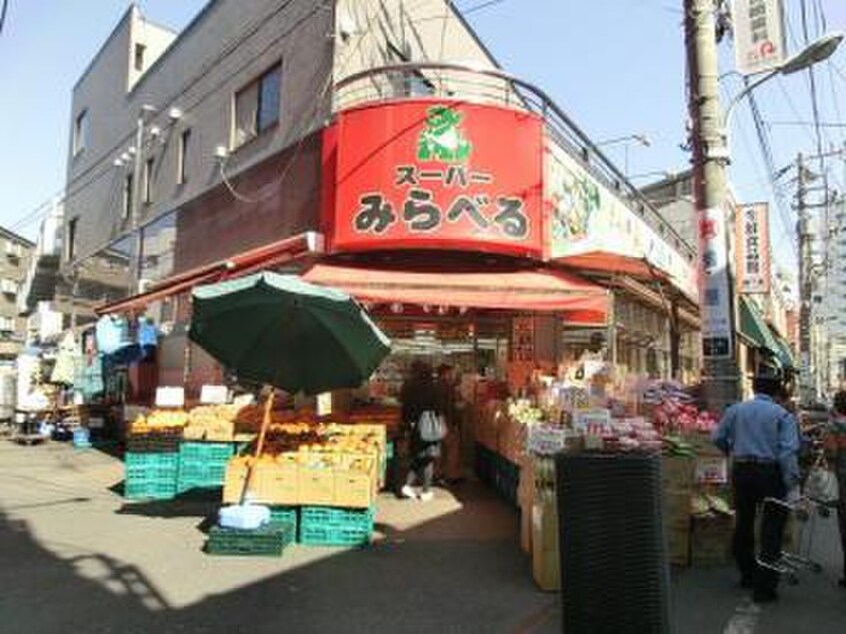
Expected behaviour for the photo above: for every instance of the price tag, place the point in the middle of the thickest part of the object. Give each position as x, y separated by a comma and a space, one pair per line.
592, 421
214, 394
711, 470
545, 440
170, 397
324, 404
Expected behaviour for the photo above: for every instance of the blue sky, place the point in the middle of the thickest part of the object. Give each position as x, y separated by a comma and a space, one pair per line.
615, 66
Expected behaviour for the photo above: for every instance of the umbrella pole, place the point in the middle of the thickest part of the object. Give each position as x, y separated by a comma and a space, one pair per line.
265, 423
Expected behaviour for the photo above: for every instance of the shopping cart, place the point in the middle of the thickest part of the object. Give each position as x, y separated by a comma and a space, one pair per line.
806, 512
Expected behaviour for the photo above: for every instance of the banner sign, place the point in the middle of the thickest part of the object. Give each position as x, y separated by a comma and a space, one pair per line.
753, 248
714, 300
759, 43
440, 174
585, 217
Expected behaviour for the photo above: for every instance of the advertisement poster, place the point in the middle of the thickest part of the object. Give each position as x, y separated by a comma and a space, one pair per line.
436, 175
715, 302
586, 217
753, 248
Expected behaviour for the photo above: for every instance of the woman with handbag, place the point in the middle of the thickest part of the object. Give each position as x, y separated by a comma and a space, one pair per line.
420, 417
835, 445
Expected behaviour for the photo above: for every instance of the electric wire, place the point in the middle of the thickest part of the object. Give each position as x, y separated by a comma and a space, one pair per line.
3, 15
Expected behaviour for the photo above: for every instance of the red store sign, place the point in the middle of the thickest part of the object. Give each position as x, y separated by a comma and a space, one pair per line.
425, 174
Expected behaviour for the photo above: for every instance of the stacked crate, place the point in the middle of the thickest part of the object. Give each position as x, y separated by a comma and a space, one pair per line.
202, 465
331, 526
270, 540
150, 475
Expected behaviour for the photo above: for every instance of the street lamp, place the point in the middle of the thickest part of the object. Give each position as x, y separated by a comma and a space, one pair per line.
640, 138
710, 157
817, 51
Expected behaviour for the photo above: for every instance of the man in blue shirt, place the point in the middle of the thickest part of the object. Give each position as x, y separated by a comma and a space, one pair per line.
763, 439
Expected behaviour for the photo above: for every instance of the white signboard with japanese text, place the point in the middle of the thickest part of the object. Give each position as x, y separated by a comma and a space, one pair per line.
715, 302
214, 394
170, 397
759, 43
753, 248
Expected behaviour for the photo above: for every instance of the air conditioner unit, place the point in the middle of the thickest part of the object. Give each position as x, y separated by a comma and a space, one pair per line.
9, 287
144, 285
13, 250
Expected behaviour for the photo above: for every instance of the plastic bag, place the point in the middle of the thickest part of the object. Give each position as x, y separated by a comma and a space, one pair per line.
821, 485
431, 427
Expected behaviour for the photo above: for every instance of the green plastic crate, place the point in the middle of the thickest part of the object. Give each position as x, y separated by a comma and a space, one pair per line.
149, 490
206, 451
151, 459
329, 526
283, 515
268, 540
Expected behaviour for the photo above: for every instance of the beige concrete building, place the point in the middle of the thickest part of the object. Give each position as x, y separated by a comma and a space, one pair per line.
189, 151
15, 253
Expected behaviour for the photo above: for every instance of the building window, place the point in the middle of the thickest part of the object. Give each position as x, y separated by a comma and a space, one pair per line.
148, 180
80, 132
139, 56
257, 105
71, 248
182, 158
407, 83
7, 324
126, 208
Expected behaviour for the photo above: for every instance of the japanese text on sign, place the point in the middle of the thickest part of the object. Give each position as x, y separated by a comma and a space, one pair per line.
422, 214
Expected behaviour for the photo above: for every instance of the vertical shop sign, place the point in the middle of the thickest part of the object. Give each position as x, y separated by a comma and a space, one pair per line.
451, 175
758, 35
753, 248
715, 301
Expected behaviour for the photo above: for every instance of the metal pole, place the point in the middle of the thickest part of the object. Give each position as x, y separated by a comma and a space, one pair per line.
716, 294
804, 284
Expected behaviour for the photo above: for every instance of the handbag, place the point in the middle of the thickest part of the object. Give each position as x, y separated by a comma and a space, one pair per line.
821, 485
431, 427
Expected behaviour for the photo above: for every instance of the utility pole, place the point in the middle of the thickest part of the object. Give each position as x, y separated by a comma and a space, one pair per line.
804, 283
720, 379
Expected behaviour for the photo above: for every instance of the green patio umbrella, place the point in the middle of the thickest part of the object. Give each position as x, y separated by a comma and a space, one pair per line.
282, 331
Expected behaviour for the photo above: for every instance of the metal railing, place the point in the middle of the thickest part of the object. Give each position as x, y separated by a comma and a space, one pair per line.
397, 82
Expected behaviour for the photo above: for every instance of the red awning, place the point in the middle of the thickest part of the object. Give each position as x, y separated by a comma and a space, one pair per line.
613, 263
247, 262
537, 290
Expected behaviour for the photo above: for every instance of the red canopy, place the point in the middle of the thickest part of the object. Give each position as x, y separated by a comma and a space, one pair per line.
536, 290
613, 263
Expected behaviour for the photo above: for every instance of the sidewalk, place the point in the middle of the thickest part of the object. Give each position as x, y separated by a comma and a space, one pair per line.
75, 558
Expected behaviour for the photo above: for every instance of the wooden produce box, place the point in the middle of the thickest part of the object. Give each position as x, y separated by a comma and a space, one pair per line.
316, 486
355, 488
272, 482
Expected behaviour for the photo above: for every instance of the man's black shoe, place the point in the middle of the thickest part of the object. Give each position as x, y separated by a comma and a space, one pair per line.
765, 596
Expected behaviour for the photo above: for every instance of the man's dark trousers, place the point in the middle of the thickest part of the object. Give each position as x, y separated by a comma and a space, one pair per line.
753, 482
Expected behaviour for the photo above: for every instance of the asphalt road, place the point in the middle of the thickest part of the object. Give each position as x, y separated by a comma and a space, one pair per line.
75, 559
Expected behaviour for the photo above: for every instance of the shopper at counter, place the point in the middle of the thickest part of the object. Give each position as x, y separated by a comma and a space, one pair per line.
447, 396
418, 394
763, 439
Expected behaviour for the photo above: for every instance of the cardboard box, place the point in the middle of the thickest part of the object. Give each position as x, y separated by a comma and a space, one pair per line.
233, 484
678, 544
355, 489
546, 568
677, 473
278, 483
711, 538
316, 486
526, 528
